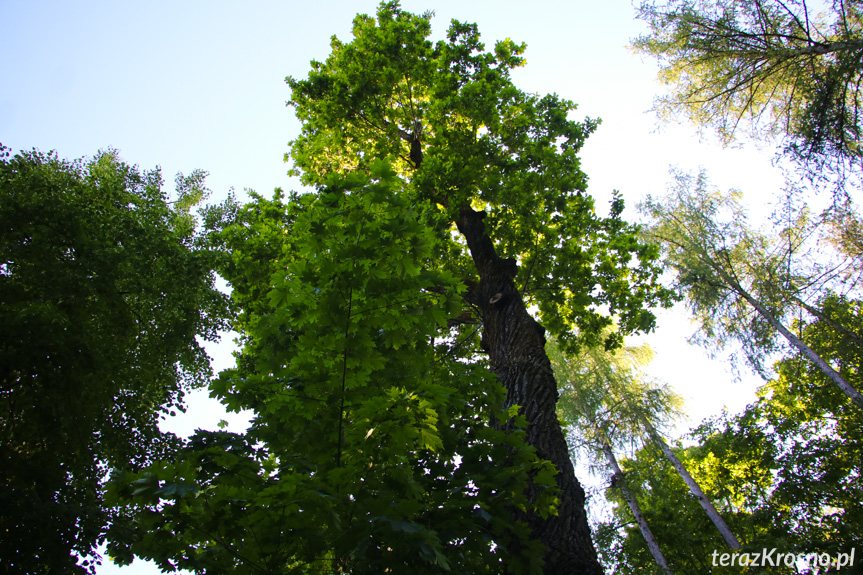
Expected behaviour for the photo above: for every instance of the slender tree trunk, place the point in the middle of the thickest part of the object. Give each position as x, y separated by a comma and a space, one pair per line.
694, 488
807, 351
823, 316
515, 343
619, 481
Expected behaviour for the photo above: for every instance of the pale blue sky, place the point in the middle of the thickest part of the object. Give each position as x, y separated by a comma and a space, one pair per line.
200, 84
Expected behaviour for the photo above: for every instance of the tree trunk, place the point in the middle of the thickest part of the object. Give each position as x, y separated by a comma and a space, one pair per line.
619, 481
515, 343
694, 488
823, 316
848, 389
807, 351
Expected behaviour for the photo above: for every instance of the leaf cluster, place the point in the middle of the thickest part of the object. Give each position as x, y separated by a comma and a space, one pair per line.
465, 136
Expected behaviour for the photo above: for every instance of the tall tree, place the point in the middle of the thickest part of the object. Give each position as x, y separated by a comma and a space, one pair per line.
728, 273
502, 166
490, 177
733, 472
787, 69
104, 288
612, 383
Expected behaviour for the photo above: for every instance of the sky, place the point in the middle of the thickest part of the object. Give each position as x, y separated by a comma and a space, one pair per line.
189, 84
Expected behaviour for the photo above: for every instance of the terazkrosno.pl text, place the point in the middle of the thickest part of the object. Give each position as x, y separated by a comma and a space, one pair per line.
775, 558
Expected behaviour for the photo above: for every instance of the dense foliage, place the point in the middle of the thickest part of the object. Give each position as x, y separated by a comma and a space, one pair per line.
465, 136
405, 414
104, 288
370, 450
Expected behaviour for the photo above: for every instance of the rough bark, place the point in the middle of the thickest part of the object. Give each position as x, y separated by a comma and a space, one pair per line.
619, 481
694, 488
515, 343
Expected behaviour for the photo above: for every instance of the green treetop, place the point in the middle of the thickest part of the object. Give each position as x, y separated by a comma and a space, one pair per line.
466, 137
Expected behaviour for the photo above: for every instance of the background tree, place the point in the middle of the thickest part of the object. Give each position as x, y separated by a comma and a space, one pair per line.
787, 69
817, 494
606, 394
736, 280
785, 472
600, 401
104, 288
691, 484
671, 510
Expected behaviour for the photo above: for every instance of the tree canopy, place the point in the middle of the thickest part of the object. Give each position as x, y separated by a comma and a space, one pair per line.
465, 136
104, 288
742, 284
608, 404
392, 324
788, 69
